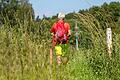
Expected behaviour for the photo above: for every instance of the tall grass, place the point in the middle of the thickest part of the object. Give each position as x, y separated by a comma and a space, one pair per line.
98, 57
24, 53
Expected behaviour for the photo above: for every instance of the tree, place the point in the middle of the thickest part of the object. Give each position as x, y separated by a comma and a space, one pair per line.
13, 11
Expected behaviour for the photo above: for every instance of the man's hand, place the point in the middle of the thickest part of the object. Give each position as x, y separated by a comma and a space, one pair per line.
69, 32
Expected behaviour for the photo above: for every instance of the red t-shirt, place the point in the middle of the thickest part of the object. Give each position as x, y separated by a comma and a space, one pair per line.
54, 28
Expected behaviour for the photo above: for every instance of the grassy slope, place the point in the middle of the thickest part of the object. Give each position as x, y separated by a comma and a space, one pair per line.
22, 58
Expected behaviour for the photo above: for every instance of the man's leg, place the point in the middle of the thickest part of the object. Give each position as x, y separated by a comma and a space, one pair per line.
65, 53
59, 60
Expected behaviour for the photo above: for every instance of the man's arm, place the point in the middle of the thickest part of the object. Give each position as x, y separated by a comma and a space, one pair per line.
68, 28
53, 28
69, 32
52, 33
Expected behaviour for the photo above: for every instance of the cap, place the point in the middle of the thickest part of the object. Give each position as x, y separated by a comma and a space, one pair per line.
61, 15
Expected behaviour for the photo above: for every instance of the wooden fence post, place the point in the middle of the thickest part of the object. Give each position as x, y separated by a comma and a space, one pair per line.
51, 56
109, 41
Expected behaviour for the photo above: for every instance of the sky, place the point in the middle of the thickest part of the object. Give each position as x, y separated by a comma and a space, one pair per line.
52, 7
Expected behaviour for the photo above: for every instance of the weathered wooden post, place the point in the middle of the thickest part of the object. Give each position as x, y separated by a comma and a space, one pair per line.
51, 56
76, 35
51, 64
109, 41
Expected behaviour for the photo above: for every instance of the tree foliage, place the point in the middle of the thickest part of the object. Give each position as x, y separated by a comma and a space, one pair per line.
14, 11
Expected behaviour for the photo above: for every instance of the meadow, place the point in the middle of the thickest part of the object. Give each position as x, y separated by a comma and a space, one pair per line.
24, 52
25, 43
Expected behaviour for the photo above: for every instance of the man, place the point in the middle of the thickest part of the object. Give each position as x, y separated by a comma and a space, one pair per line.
61, 32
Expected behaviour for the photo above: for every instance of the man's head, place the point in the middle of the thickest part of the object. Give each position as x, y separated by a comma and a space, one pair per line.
61, 15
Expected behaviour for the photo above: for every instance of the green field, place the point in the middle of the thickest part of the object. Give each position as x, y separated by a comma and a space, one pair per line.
25, 46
